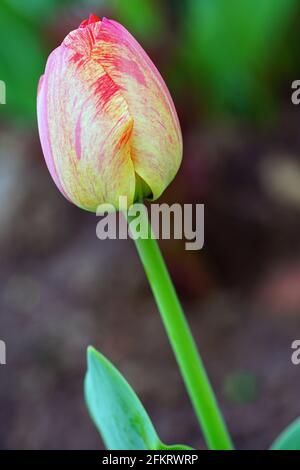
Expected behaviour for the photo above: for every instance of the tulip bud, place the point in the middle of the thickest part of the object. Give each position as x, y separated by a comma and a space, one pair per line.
107, 123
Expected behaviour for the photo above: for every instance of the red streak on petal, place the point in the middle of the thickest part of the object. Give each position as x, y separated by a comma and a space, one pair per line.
104, 90
105, 36
125, 137
83, 24
130, 67
92, 19
76, 57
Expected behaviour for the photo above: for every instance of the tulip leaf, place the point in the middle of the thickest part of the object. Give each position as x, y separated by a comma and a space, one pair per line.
289, 439
116, 410
176, 447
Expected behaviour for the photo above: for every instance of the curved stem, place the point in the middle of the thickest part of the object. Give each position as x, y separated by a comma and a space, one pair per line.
183, 344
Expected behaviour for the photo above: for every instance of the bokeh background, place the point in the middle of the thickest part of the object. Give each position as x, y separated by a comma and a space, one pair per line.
229, 65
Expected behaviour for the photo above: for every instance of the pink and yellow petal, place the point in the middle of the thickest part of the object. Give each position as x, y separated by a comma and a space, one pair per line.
89, 125
156, 140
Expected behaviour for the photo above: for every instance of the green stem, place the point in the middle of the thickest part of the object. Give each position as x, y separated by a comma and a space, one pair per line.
183, 344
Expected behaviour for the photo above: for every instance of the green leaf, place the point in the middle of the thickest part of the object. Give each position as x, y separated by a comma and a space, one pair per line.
116, 410
289, 439
176, 447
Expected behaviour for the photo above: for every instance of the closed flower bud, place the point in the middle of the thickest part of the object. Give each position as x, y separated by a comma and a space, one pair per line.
107, 123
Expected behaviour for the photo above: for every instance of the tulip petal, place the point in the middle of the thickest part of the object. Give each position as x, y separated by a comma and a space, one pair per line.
107, 122
44, 134
156, 160
89, 125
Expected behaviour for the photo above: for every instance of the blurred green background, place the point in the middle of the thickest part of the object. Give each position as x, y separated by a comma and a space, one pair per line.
229, 65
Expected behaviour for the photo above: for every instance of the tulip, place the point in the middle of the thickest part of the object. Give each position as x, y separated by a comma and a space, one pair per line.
107, 123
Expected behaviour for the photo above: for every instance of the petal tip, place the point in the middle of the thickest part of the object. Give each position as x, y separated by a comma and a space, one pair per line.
91, 19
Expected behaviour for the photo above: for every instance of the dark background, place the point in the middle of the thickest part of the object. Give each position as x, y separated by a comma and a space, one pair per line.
229, 65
